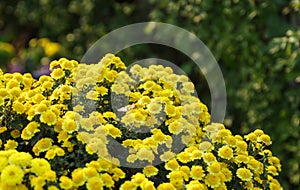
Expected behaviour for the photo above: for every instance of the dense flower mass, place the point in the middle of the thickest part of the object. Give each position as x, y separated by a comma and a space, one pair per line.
105, 126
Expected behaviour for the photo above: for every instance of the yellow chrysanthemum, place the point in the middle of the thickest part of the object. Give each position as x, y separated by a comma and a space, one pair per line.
65, 182
167, 156
138, 178
22, 159
225, 152
128, 185
78, 177
69, 125
197, 172
3, 162
94, 183
113, 131
37, 182
265, 139
149, 171
39, 166
166, 186
107, 180
244, 174
212, 181
48, 117
172, 165
10, 144
18, 107
12, 175
57, 73
214, 168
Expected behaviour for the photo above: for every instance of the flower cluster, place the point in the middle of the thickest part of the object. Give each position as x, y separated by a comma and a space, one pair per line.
105, 126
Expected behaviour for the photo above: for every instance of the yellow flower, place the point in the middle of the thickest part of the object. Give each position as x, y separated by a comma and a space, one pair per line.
18, 107
39, 166
154, 107
10, 144
244, 174
20, 158
150, 171
167, 156
101, 90
128, 185
113, 131
15, 133
209, 158
241, 158
50, 175
172, 165
90, 172
65, 182
3, 129
107, 180
29, 131
12, 175
195, 185
175, 127
3, 162
52, 187
37, 181
166, 186
225, 152
265, 139
205, 146
78, 177
214, 168
48, 117
197, 172
170, 110
251, 137
212, 181
94, 183
230, 140
69, 65
69, 125
145, 154
148, 185
57, 73
50, 154
272, 170
43, 144
227, 174
183, 157
138, 178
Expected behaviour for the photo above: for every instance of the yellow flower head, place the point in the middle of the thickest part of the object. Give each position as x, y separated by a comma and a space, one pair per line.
166, 186
225, 152
69, 125
172, 165
212, 180
18, 107
138, 178
3, 162
39, 166
12, 175
10, 144
65, 182
244, 174
150, 171
20, 158
48, 117
197, 172
57, 73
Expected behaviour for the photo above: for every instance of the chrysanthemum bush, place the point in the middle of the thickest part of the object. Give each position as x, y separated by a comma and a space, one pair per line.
102, 126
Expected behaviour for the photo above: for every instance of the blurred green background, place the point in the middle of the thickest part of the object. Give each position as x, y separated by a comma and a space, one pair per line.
256, 44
